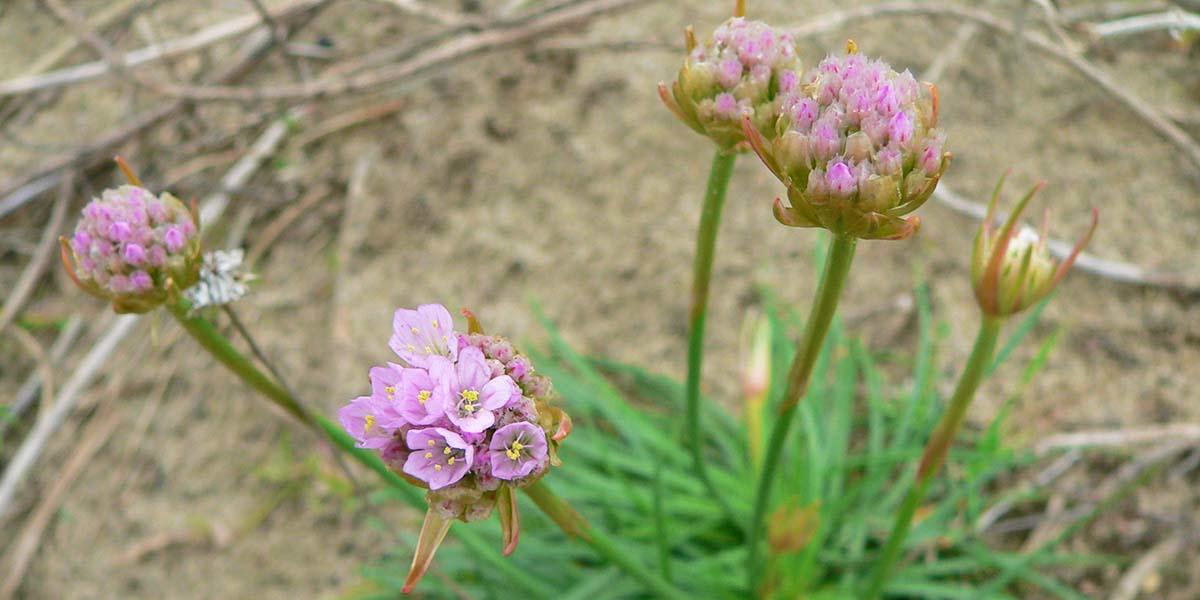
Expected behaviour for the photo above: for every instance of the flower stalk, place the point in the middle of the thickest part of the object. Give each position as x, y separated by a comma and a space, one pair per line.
706, 245
936, 449
829, 291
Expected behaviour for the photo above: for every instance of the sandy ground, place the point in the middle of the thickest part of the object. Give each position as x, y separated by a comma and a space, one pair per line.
556, 176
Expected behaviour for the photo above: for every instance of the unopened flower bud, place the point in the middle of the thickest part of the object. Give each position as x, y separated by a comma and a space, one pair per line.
870, 133
1011, 269
130, 244
739, 73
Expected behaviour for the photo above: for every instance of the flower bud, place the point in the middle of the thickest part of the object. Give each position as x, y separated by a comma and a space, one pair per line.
870, 134
130, 244
1011, 269
741, 72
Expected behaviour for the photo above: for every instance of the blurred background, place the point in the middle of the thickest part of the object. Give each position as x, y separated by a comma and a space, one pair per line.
371, 154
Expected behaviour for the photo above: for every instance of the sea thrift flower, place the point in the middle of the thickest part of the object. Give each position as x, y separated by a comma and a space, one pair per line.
129, 244
364, 420
741, 72
439, 456
422, 333
517, 450
1012, 269
466, 416
473, 394
856, 146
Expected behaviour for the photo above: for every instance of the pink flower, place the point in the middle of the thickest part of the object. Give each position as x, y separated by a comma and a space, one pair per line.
517, 450
362, 420
384, 382
422, 333
439, 456
472, 394
421, 399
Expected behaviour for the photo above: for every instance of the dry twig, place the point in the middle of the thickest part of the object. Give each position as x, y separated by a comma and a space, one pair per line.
33, 383
1130, 585
1121, 438
41, 257
23, 551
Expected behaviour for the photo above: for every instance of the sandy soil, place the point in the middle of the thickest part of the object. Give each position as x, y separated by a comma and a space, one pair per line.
556, 176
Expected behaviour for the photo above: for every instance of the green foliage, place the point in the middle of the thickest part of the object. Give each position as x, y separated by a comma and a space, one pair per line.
860, 429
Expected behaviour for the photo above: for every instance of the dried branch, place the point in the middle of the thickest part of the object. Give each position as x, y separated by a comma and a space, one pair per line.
1171, 20
1130, 585
33, 383
150, 54
1121, 438
41, 257
495, 36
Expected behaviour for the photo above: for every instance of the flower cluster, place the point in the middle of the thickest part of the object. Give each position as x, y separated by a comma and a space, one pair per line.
741, 73
1011, 269
857, 148
462, 415
129, 243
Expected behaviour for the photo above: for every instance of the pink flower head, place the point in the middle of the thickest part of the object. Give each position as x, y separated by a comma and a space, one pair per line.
472, 394
120, 250
439, 456
362, 419
517, 450
749, 60
869, 130
422, 333
421, 399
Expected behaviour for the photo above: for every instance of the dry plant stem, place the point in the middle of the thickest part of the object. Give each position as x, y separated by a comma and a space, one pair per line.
575, 526
29, 389
499, 35
41, 257
149, 54
936, 450
25, 549
706, 247
66, 400
837, 266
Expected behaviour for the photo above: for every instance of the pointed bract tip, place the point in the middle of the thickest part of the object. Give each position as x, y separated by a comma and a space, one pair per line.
1086, 239
851, 47
564, 428
129, 174
739, 8
689, 38
473, 325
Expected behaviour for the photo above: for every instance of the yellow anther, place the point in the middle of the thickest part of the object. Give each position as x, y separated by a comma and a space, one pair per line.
412, 348
437, 467
390, 390
514, 451
368, 423
415, 330
423, 396
446, 450
428, 455
432, 443
435, 324
469, 395
450, 460
428, 350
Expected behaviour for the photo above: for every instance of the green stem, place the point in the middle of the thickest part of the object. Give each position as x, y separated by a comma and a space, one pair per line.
574, 525
837, 266
935, 450
203, 331
706, 246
